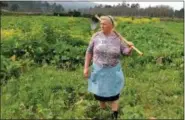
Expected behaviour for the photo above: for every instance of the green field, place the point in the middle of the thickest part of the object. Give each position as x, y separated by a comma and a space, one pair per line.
42, 69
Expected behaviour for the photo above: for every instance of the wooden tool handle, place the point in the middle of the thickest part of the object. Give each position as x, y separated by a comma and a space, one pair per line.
123, 39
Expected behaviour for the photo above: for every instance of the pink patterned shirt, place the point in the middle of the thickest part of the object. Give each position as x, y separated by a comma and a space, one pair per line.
106, 50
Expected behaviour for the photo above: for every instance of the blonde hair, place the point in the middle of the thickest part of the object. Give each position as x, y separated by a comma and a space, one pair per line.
108, 18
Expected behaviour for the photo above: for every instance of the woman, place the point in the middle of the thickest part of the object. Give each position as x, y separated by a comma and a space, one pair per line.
106, 80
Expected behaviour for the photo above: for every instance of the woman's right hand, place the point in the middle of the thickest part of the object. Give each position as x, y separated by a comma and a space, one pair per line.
86, 73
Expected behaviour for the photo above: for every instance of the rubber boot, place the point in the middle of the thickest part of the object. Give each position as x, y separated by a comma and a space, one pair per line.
115, 115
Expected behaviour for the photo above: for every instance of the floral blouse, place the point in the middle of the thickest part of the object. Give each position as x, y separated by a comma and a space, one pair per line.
106, 50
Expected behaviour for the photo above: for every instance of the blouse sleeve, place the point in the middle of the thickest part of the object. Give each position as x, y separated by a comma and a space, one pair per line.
125, 50
91, 45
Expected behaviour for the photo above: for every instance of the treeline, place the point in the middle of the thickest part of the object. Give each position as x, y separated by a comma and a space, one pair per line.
32, 6
123, 9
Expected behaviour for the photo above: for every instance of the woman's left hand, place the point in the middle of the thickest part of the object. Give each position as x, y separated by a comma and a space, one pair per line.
86, 72
130, 44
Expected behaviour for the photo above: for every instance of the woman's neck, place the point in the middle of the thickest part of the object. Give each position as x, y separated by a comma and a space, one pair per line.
107, 33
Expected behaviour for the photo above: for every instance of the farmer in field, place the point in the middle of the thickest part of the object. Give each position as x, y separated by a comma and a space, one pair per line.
106, 79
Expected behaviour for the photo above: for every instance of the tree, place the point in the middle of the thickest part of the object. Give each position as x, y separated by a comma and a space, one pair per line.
180, 13
14, 7
76, 13
137, 6
124, 5
53, 6
3, 4
100, 6
57, 8
108, 6
47, 5
128, 5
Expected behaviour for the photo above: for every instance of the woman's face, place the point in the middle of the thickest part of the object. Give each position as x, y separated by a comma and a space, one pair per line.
106, 26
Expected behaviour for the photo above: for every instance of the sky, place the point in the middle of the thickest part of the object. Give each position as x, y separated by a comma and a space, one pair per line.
174, 5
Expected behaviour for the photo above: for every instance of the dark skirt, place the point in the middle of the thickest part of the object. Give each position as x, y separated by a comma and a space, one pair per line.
105, 99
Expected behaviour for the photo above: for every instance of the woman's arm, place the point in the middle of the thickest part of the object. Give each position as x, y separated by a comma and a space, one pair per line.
126, 49
88, 58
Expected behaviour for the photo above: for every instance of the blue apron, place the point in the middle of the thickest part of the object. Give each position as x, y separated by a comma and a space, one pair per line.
106, 81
